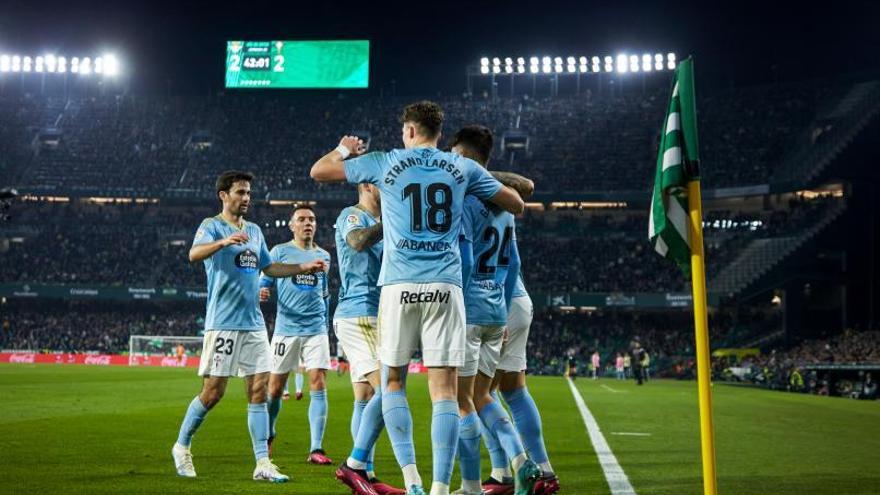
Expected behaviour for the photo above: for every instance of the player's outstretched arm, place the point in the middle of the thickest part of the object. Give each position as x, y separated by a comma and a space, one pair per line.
364, 238
201, 252
523, 186
331, 167
283, 270
508, 200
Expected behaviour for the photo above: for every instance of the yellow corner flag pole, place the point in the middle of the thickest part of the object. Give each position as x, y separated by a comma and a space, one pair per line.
701, 327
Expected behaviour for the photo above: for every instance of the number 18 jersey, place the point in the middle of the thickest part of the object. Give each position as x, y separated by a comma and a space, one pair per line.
422, 192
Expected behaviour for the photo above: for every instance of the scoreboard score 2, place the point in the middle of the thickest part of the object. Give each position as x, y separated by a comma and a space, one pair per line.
298, 64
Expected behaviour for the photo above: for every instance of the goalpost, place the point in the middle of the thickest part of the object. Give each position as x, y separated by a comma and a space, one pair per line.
162, 349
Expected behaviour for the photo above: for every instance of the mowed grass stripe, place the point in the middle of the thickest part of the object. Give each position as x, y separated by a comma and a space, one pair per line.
767, 442
110, 430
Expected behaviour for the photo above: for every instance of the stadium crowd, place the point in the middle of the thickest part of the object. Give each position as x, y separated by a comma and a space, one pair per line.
154, 145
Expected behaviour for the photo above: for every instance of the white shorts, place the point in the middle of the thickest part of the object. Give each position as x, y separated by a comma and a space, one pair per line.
359, 339
291, 353
428, 314
519, 319
232, 352
483, 350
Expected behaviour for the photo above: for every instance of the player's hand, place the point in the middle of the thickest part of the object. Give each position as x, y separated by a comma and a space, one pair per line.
264, 294
354, 144
237, 238
314, 266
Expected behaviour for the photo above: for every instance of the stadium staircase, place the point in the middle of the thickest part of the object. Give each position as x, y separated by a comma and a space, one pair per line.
760, 256
835, 128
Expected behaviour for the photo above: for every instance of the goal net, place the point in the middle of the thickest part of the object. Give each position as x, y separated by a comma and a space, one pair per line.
163, 350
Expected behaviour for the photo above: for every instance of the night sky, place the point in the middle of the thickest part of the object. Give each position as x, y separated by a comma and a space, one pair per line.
424, 47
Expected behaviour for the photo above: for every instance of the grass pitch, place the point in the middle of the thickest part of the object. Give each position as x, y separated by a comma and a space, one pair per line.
78, 429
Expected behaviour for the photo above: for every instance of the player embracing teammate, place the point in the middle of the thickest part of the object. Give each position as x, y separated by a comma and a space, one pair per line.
422, 192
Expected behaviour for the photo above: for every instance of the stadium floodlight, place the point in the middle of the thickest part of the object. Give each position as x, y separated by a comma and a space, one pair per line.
50, 62
484, 69
534, 69
572, 69
646, 64
558, 69
38, 65
26, 64
496, 69
74, 64
546, 61
111, 65
496, 61
520, 61
583, 60
595, 60
62, 64
533, 60
583, 68
547, 69
508, 69
622, 64
558, 60
570, 61
4, 63
484, 61
670, 61
658, 57
16, 63
99, 65
85, 66
520, 69
633, 63
595, 67
508, 61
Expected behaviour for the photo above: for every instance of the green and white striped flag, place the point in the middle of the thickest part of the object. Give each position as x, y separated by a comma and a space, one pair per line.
677, 162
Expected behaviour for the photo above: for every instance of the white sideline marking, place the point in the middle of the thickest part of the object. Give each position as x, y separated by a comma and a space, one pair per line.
630, 434
612, 390
614, 475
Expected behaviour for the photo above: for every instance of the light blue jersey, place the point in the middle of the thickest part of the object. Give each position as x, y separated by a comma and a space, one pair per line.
520, 289
490, 233
422, 192
233, 276
358, 270
303, 298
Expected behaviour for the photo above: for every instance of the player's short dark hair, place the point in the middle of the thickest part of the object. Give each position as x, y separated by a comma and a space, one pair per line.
426, 115
478, 139
230, 177
298, 207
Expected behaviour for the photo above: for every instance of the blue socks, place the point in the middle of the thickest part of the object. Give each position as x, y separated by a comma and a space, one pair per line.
444, 438
528, 422
356, 415
495, 419
469, 447
371, 426
317, 417
274, 408
195, 414
258, 425
298, 378
398, 422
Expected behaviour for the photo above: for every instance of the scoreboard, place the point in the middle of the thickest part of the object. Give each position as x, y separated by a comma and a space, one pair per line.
298, 64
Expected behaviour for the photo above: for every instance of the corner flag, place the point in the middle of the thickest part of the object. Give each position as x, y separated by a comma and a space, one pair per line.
675, 228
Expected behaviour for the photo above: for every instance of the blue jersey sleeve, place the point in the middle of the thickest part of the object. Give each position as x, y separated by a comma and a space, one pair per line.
353, 221
512, 273
366, 168
206, 233
480, 182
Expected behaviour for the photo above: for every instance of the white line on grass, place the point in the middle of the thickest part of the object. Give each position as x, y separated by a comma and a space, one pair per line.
630, 434
612, 390
614, 475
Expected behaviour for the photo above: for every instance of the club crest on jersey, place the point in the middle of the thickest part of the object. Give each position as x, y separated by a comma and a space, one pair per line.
306, 281
353, 220
246, 261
